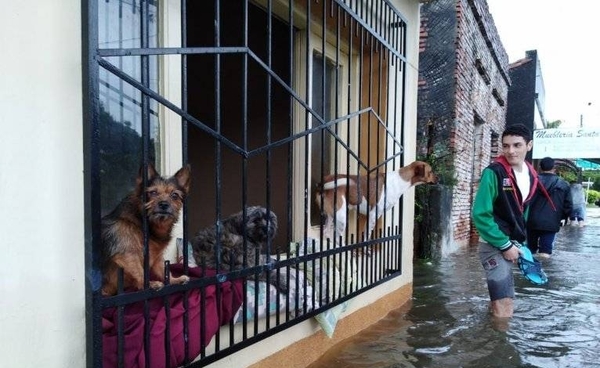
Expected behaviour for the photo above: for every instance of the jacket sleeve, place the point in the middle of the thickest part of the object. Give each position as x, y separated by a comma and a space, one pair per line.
483, 212
568, 204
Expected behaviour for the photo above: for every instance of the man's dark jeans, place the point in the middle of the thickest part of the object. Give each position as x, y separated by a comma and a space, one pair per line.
542, 240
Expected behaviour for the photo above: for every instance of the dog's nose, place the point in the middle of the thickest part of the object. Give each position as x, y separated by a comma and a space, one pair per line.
163, 205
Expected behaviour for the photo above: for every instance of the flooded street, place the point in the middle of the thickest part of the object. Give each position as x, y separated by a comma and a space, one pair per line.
447, 323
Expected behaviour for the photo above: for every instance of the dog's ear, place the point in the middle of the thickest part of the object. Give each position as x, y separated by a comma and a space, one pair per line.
184, 177
152, 174
420, 170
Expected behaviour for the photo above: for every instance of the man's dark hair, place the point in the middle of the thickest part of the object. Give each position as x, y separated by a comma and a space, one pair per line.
518, 130
547, 164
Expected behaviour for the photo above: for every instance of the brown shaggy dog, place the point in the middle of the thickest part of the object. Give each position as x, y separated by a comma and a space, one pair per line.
122, 234
228, 253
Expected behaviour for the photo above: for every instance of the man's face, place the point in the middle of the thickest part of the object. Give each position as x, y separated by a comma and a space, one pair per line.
515, 148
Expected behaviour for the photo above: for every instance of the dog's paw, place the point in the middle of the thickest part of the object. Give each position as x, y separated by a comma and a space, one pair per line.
156, 285
183, 279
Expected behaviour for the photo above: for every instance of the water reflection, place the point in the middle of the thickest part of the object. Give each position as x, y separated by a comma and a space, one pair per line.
447, 323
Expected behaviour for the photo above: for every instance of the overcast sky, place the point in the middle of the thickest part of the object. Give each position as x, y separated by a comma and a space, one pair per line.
566, 37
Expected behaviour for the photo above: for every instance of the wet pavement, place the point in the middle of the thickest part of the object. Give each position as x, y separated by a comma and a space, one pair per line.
447, 322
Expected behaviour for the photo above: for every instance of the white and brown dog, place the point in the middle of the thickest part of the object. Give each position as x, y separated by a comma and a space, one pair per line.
372, 196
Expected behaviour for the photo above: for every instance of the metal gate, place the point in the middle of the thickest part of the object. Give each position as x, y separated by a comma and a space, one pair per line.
264, 99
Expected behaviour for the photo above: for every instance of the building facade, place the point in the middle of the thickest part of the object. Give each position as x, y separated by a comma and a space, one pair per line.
527, 95
463, 88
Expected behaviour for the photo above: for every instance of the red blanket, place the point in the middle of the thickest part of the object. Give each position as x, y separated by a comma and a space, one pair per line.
216, 313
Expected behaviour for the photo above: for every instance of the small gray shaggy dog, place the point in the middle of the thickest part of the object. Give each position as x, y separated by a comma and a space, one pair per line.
259, 226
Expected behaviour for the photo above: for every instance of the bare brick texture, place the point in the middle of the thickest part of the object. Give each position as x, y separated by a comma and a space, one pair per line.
463, 87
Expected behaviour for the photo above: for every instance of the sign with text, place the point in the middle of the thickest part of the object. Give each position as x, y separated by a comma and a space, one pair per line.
566, 143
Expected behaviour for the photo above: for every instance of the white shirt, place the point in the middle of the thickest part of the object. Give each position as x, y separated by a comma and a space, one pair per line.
523, 180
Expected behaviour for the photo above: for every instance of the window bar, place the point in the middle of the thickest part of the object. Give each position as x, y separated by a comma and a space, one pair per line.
314, 276
218, 155
167, 306
268, 153
185, 159
388, 101
399, 40
385, 25
307, 124
121, 83
391, 268
325, 116
203, 342
380, 112
337, 102
355, 254
290, 161
297, 294
389, 261
305, 281
245, 161
231, 321
344, 259
371, 16
395, 119
402, 130
361, 55
351, 24
370, 42
362, 8
403, 101
256, 256
145, 79
278, 294
185, 132
399, 247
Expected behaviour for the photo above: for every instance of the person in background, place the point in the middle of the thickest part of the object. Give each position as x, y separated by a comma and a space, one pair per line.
578, 197
499, 213
545, 215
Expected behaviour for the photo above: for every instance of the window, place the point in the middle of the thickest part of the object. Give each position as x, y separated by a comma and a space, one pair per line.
262, 98
121, 111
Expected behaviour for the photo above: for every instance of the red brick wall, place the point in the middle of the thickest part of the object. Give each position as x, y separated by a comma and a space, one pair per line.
478, 114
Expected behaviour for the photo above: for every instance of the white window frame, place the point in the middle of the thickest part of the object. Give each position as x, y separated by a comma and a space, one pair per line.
300, 86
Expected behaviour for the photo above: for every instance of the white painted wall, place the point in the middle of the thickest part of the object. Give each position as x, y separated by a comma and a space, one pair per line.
42, 310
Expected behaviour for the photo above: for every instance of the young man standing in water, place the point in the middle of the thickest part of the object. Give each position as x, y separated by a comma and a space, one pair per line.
499, 214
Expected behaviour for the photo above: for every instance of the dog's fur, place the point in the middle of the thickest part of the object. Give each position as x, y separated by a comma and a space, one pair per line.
228, 252
122, 235
372, 196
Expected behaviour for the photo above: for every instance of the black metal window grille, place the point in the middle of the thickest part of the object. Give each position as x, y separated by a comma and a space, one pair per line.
255, 132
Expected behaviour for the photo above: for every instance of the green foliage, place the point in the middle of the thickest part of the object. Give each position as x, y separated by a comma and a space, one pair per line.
594, 177
441, 159
596, 185
569, 176
421, 193
592, 196
553, 124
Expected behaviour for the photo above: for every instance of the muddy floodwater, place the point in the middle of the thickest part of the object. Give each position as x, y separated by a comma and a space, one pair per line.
447, 323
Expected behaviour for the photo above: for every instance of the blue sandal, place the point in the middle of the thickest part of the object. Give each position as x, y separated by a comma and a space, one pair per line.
530, 267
